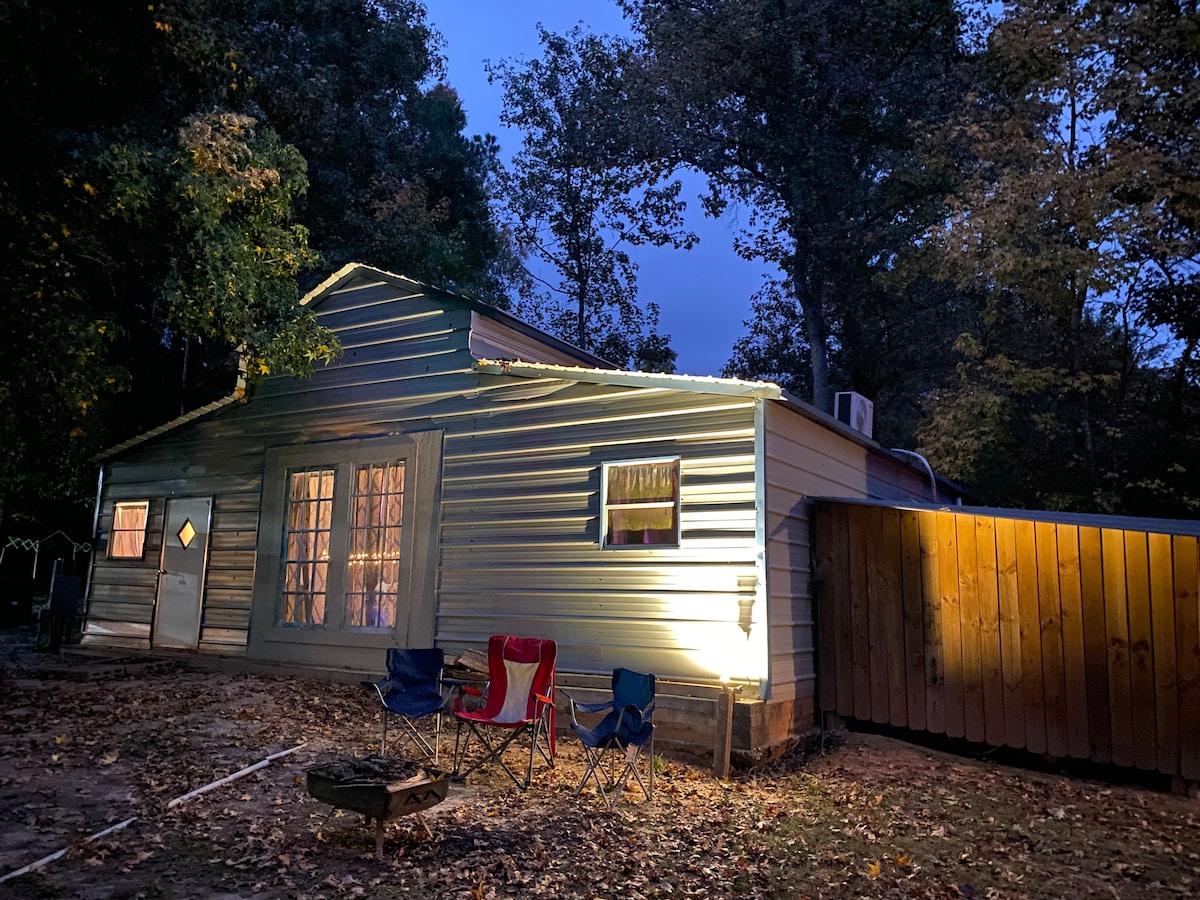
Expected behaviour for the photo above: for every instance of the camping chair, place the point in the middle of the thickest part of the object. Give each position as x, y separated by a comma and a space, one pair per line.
519, 697
618, 738
412, 691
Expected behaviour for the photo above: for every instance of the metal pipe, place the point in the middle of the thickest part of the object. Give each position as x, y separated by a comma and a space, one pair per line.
928, 468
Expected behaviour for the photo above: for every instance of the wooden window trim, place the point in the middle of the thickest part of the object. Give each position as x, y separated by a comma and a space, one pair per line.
115, 533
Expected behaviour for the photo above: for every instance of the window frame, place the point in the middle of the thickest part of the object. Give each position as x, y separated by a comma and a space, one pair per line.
143, 530
344, 458
605, 506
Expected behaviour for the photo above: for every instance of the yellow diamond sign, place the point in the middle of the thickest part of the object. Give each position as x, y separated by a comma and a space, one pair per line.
186, 534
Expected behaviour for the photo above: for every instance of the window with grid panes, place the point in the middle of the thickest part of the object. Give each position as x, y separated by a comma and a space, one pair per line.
306, 547
373, 564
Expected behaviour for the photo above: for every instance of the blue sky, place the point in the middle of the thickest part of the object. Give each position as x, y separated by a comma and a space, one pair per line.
704, 293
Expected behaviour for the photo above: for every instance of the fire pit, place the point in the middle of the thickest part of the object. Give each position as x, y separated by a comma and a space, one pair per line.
379, 788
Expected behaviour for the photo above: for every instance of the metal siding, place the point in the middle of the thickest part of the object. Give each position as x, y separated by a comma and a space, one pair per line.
518, 540
521, 526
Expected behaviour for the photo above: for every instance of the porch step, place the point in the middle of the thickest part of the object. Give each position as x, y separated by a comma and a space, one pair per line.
102, 670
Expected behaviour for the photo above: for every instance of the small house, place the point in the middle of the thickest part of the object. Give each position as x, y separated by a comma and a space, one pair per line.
457, 474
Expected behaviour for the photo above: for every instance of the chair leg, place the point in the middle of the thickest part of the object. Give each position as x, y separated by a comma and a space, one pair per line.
650, 795
383, 737
593, 759
492, 752
632, 755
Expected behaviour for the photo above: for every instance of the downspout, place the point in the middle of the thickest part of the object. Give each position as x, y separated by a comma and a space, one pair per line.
87, 587
96, 511
925, 463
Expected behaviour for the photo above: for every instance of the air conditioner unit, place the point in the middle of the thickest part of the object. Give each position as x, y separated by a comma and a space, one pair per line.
854, 410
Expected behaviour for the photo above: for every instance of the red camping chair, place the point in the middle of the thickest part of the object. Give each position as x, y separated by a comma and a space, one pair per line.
519, 697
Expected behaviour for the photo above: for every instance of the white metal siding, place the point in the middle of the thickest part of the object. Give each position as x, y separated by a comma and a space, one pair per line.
519, 512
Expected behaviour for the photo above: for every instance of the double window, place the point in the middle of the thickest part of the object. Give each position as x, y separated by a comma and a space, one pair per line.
641, 503
343, 550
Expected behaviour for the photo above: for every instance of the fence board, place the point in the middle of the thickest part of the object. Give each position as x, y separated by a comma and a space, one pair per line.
935, 663
990, 665
914, 632
860, 647
968, 610
1050, 610
1116, 621
878, 598
1057, 637
837, 586
1031, 636
1162, 622
1095, 649
1010, 633
1074, 664
951, 623
1187, 652
1141, 662
823, 568
894, 619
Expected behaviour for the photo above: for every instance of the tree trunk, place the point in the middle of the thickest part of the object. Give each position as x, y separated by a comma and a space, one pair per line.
814, 329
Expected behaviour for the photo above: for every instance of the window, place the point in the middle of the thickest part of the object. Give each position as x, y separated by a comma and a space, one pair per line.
342, 548
128, 538
373, 568
641, 503
306, 546
347, 549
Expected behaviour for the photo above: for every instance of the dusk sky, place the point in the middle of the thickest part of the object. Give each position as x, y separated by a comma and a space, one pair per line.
703, 294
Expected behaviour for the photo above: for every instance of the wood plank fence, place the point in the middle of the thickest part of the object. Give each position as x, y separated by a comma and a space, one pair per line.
1064, 639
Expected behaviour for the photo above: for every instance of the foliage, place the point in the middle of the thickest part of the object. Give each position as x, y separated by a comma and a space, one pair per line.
357, 88
132, 216
1072, 219
157, 204
807, 113
576, 199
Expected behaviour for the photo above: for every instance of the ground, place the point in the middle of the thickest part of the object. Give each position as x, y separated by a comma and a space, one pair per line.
871, 816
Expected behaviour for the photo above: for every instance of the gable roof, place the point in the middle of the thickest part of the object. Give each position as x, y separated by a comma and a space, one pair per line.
334, 282
592, 369
352, 271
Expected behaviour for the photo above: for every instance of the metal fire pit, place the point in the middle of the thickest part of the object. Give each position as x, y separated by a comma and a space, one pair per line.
379, 788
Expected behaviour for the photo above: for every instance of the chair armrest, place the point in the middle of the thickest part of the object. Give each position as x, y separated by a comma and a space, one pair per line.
378, 687
461, 688
593, 707
577, 706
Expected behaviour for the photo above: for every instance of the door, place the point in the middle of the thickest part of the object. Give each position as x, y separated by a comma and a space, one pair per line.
181, 572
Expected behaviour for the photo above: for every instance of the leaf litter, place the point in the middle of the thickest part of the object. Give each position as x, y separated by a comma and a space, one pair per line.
872, 817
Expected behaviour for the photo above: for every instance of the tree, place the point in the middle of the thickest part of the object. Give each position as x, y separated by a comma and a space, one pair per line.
131, 216
1153, 141
157, 207
805, 111
1071, 219
576, 199
357, 88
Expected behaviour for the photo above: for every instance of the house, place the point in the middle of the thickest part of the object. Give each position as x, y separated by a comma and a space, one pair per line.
458, 473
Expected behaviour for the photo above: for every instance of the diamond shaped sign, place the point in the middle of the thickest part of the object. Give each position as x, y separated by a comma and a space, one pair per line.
186, 534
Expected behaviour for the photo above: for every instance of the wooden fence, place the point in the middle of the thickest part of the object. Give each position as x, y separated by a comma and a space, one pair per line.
1065, 639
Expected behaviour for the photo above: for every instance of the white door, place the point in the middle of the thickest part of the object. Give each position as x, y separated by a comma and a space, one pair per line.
181, 572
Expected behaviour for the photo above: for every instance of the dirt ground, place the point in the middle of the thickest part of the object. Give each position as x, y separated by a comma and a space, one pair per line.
872, 817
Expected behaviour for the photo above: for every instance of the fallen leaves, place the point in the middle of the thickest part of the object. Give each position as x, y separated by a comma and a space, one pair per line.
851, 823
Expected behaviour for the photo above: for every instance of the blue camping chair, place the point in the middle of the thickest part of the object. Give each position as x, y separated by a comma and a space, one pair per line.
412, 691
618, 738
